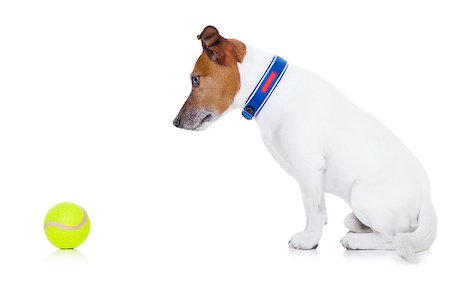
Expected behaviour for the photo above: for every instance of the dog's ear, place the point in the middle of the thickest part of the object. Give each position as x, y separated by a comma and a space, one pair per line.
219, 49
209, 36
212, 43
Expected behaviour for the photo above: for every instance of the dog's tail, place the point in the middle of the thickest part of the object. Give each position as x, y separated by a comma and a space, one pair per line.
407, 244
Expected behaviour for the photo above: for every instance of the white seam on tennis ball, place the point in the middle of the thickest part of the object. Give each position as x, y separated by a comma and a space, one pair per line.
66, 227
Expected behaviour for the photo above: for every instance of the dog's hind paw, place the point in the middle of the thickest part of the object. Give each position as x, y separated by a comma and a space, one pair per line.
347, 242
304, 240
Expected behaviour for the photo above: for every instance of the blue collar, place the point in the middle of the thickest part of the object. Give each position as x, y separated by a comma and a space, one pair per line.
265, 87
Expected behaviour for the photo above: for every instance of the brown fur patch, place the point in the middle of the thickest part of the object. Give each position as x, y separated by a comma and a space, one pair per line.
218, 84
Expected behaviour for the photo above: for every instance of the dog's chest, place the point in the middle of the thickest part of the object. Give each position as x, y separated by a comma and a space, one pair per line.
273, 143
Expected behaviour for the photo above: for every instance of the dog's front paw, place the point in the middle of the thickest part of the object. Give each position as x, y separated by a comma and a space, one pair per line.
304, 240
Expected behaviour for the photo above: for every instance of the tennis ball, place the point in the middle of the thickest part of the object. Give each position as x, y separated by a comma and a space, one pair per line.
66, 225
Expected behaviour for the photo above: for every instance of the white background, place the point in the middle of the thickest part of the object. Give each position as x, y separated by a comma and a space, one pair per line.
88, 92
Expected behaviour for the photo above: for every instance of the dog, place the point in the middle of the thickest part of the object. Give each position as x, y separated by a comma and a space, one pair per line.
321, 139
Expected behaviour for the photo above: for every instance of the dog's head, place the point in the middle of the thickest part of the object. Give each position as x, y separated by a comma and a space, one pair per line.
215, 81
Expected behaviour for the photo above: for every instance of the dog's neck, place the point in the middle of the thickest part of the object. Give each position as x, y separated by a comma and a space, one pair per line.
251, 70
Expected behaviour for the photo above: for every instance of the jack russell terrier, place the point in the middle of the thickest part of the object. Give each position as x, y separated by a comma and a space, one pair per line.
321, 139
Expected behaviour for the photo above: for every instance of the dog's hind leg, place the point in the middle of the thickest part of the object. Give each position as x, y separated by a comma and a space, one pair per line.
366, 241
354, 224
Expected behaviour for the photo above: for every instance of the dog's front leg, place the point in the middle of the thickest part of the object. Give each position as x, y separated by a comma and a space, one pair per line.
312, 188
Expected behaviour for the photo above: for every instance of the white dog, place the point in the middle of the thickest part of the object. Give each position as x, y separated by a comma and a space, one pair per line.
320, 138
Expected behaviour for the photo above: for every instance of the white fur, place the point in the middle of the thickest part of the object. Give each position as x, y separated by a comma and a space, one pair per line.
329, 145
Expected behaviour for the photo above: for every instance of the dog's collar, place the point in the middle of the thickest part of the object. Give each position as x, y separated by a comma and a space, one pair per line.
265, 87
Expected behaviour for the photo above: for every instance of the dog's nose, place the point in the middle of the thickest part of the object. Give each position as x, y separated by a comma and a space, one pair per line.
176, 122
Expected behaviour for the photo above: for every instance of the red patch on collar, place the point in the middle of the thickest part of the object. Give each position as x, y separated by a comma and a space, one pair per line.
268, 82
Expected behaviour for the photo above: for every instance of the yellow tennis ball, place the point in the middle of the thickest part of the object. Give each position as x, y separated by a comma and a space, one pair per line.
67, 225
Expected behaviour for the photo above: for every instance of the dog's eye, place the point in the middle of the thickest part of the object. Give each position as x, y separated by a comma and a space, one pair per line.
195, 80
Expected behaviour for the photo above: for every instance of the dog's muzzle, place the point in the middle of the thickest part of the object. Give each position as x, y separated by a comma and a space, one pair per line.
194, 120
